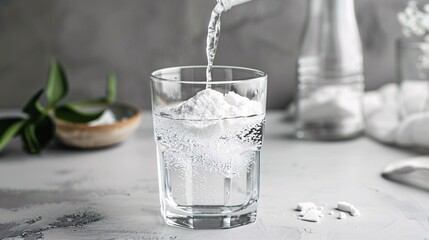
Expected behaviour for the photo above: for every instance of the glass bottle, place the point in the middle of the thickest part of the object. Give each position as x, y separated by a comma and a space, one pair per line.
330, 80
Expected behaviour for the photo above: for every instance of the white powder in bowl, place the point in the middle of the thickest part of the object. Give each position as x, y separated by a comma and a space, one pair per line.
108, 117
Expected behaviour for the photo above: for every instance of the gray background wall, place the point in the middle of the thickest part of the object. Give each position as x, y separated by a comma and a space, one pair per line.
135, 37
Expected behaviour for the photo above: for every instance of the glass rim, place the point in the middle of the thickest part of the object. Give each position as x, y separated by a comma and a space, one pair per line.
411, 42
204, 81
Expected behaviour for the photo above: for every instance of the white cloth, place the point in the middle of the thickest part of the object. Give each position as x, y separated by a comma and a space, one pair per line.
384, 120
386, 123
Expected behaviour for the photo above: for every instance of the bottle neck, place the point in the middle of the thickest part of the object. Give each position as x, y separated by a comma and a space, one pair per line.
331, 42
332, 11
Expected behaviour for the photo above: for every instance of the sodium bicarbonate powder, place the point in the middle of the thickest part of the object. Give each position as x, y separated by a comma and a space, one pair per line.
218, 132
308, 211
348, 207
210, 104
108, 117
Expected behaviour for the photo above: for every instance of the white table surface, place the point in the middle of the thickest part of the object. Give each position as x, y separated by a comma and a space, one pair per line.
119, 186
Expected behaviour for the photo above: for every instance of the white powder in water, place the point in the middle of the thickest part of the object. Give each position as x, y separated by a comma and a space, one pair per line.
209, 104
219, 132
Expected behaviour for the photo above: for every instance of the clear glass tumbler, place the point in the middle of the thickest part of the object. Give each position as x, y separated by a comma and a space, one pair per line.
413, 67
208, 145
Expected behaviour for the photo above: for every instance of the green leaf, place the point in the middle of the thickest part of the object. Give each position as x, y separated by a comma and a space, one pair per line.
37, 134
57, 86
45, 131
9, 128
71, 114
109, 98
31, 144
91, 102
111, 88
33, 106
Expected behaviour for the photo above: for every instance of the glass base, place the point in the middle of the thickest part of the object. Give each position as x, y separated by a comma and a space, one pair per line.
211, 222
329, 132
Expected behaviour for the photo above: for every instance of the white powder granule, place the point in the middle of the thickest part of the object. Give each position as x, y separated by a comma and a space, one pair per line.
309, 212
305, 206
311, 215
348, 207
342, 215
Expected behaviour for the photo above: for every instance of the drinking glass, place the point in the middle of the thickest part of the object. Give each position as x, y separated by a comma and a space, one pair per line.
413, 67
208, 168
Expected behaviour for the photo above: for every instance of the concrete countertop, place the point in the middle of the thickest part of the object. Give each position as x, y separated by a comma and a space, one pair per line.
113, 193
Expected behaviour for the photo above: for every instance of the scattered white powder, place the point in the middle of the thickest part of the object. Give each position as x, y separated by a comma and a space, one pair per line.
108, 117
311, 213
209, 104
348, 207
342, 215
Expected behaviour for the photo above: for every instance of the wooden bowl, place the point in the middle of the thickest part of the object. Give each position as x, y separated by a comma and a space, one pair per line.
87, 136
